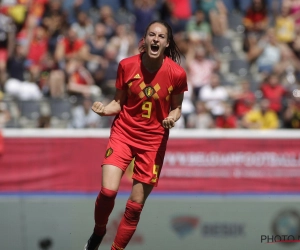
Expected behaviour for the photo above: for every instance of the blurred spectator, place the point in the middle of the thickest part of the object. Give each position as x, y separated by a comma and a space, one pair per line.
243, 99
182, 9
168, 14
109, 73
144, 12
216, 13
294, 7
84, 117
124, 41
55, 22
261, 117
16, 64
70, 47
7, 41
291, 116
23, 90
273, 91
266, 53
188, 106
285, 26
214, 95
200, 68
83, 26
97, 41
198, 30
80, 80
288, 68
107, 18
201, 118
227, 119
96, 46
256, 23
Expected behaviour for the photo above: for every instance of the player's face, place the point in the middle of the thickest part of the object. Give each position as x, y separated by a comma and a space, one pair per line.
156, 40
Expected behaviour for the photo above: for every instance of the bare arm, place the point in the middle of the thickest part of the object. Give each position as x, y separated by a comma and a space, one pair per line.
175, 113
113, 108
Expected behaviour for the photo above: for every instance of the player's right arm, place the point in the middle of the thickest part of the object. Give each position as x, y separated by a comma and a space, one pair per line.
113, 108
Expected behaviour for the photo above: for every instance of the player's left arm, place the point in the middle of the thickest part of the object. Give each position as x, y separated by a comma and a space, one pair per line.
175, 113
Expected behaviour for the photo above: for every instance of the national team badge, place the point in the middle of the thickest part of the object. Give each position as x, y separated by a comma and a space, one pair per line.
149, 91
108, 152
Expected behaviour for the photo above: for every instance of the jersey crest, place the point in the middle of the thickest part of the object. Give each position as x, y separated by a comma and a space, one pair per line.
149, 91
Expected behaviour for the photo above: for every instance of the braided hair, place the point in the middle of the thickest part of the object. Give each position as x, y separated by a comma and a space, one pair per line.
172, 51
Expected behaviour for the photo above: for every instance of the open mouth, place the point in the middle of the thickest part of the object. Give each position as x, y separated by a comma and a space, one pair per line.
154, 48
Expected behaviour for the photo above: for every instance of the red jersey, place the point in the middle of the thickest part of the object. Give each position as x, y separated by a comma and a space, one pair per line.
274, 94
72, 47
148, 102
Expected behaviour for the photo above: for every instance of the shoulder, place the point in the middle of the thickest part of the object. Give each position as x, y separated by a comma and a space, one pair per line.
175, 69
130, 61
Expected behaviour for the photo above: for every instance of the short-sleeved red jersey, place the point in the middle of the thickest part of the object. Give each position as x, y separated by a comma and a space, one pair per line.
148, 102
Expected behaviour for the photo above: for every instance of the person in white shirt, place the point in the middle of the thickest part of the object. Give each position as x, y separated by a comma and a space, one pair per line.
214, 95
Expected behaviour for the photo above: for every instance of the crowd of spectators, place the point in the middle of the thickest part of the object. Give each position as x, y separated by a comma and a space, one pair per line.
67, 52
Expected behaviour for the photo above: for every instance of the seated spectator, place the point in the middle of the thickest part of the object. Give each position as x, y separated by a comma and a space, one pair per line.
124, 41
169, 13
144, 13
228, 119
80, 81
256, 23
261, 117
288, 66
214, 95
266, 53
243, 99
201, 118
294, 9
107, 18
181, 9
198, 30
107, 75
83, 26
285, 26
216, 14
70, 47
200, 68
84, 117
23, 90
55, 21
16, 64
96, 46
273, 91
97, 41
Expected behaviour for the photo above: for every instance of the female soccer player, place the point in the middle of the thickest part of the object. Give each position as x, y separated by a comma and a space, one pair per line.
147, 103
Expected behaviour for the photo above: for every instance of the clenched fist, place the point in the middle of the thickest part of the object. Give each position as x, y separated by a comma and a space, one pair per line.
99, 108
168, 122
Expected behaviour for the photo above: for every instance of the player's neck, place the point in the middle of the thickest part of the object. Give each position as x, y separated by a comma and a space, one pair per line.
151, 64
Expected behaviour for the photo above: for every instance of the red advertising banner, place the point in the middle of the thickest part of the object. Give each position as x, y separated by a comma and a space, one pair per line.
204, 165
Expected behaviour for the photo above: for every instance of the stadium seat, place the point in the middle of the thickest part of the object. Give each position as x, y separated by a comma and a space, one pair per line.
223, 44
239, 67
60, 108
235, 22
29, 109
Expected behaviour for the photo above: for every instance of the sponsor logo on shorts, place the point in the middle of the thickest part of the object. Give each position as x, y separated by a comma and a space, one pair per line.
109, 152
149, 91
